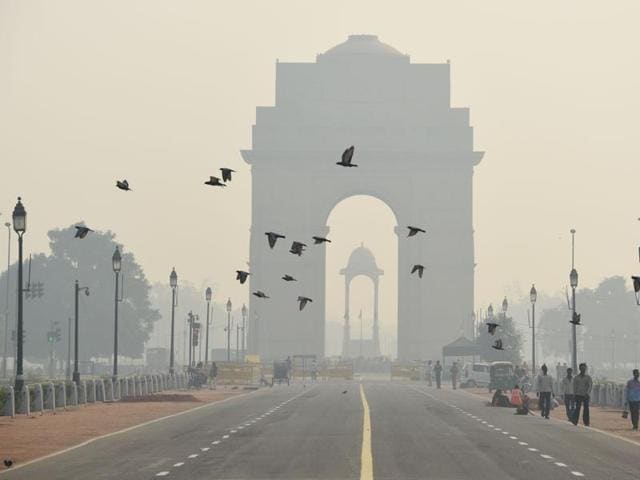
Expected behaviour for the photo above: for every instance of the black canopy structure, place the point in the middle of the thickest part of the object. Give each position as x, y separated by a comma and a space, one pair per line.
460, 347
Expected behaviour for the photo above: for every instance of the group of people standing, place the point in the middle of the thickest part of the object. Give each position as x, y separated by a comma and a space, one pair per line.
432, 372
575, 392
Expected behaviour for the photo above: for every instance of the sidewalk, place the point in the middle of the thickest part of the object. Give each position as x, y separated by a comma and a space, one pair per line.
25, 438
608, 419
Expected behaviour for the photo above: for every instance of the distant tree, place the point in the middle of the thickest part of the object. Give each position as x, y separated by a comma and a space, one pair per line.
89, 261
511, 341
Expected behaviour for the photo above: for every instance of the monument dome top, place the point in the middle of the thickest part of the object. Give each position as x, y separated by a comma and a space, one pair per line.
362, 45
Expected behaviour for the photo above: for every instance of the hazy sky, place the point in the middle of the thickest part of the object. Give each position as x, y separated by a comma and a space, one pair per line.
164, 92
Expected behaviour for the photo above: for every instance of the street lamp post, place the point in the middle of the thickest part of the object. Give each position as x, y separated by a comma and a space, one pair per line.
238, 342
190, 322
244, 326
116, 262
20, 227
173, 282
76, 372
533, 296
573, 280
207, 297
229, 306
6, 305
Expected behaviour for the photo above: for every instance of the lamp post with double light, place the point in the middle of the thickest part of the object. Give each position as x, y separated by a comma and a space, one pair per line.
533, 296
173, 282
76, 339
6, 306
20, 227
244, 334
229, 306
116, 263
207, 297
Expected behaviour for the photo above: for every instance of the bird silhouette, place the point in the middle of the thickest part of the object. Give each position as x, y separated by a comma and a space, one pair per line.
492, 327
242, 276
273, 238
498, 344
297, 248
123, 185
303, 301
347, 156
8, 462
418, 268
344, 391
319, 240
575, 319
214, 182
260, 294
82, 231
289, 278
226, 174
414, 230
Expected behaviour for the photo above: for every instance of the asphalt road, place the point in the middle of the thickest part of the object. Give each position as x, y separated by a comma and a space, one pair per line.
319, 432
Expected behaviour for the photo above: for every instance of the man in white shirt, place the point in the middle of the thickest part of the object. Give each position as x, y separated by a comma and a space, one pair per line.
544, 390
566, 389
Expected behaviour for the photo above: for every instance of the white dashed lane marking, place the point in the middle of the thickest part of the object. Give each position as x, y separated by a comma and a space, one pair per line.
560, 464
179, 464
225, 436
162, 474
533, 449
577, 474
204, 449
548, 457
193, 455
513, 437
216, 442
523, 443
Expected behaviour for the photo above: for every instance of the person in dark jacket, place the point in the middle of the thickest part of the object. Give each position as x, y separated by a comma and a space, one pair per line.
437, 371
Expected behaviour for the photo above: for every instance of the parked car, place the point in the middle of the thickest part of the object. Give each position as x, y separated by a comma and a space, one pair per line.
475, 375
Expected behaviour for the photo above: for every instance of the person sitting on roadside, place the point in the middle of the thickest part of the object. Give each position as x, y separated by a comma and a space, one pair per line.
500, 399
516, 396
524, 408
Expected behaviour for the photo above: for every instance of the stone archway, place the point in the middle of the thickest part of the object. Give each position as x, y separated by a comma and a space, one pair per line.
415, 153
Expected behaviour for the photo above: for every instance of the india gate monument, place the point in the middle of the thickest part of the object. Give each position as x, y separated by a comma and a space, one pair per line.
414, 152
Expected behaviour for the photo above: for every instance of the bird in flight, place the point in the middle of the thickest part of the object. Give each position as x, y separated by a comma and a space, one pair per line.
347, 156
319, 240
214, 182
297, 248
8, 462
492, 327
226, 174
273, 238
344, 391
260, 294
498, 344
82, 231
242, 276
303, 301
414, 230
289, 278
123, 185
575, 319
418, 268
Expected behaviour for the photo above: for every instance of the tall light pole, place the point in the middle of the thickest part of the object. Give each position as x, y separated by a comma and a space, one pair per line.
238, 342
244, 326
116, 262
533, 296
76, 372
6, 305
173, 282
190, 321
229, 306
20, 227
573, 281
207, 297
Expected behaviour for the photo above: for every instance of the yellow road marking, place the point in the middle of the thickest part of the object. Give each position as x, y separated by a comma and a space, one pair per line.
366, 459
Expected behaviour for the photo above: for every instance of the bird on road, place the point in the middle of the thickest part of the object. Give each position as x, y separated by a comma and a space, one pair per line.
260, 294
347, 156
82, 231
414, 230
498, 344
575, 319
344, 391
418, 268
123, 185
289, 278
303, 301
273, 238
226, 174
8, 462
297, 248
319, 240
242, 276
492, 327
214, 182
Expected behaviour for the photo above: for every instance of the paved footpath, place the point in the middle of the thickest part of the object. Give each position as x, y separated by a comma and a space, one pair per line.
380, 430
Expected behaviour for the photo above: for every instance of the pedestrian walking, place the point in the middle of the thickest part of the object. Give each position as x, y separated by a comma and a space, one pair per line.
428, 373
582, 385
437, 370
633, 398
566, 390
213, 374
544, 391
455, 371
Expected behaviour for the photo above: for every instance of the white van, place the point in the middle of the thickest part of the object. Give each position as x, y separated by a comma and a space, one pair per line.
475, 375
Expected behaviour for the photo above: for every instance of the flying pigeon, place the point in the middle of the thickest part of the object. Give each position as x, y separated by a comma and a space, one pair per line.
418, 268
123, 185
8, 462
297, 248
497, 345
492, 327
242, 276
303, 302
347, 156
226, 174
319, 240
82, 231
414, 230
273, 238
575, 319
289, 278
260, 294
214, 182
